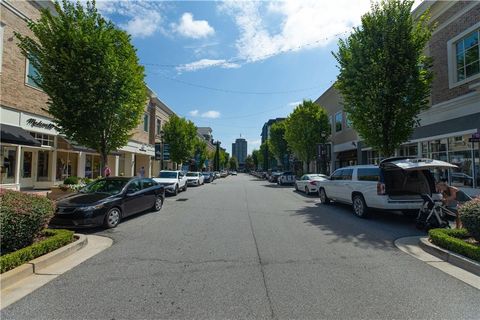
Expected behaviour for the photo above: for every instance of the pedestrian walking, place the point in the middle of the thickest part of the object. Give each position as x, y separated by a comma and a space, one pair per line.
107, 172
141, 173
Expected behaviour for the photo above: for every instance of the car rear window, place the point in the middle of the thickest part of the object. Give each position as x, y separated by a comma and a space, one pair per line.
368, 174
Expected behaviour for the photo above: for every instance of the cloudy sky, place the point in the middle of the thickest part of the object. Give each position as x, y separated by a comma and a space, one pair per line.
232, 65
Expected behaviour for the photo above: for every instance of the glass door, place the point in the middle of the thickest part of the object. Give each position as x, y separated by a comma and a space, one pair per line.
27, 167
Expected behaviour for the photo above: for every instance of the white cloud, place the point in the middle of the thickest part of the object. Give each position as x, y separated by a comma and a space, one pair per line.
294, 104
190, 28
303, 24
207, 63
212, 114
194, 113
143, 18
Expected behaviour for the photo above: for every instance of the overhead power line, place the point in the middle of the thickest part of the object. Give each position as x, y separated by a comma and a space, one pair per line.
257, 58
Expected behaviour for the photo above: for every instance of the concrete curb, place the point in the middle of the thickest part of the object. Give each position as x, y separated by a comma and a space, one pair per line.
13, 276
449, 256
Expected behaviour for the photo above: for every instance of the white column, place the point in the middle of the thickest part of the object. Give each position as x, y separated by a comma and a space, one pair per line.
117, 164
54, 167
149, 170
132, 172
81, 165
18, 167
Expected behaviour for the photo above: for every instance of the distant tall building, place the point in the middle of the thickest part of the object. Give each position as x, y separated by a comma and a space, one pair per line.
239, 150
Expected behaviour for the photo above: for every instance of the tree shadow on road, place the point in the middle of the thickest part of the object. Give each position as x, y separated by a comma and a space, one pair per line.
378, 231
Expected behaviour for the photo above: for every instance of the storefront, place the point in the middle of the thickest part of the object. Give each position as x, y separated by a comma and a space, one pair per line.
34, 156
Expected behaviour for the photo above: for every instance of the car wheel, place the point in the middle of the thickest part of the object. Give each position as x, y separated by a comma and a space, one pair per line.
112, 218
185, 187
323, 196
176, 190
157, 206
306, 191
359, 207
296, 187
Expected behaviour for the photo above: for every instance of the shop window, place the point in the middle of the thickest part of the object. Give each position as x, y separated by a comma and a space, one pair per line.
145, 122
43, 172
44, 139
8, 164
338, 121
27, 164
92, 166
66, 165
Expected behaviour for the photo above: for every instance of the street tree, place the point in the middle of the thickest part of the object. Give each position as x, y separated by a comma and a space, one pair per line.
200, 153
180, 134
91, 73
277, 141
384, 75
305, 128
266, 155
255, 158
233, 163
249, 163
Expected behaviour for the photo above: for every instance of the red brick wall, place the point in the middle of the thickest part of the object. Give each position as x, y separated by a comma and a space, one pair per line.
438, 50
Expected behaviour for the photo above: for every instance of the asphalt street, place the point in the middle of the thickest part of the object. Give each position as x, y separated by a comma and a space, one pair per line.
243, 248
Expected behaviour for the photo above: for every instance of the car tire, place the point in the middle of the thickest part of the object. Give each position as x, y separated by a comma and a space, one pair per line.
112, 218
158, 204
185, 187
176, 190
359, 206
323, 196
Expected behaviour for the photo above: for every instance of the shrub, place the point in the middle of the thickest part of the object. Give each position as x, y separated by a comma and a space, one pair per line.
470, 217
71, 180
451, 239
55, 240
22, 218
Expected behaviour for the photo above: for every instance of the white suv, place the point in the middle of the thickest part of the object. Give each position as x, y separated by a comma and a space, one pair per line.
173, 181
397, 184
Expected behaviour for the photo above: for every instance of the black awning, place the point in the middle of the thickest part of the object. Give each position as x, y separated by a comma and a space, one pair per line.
16, 135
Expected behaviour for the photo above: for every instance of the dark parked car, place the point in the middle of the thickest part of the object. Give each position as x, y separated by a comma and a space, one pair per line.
209, 177
107, 201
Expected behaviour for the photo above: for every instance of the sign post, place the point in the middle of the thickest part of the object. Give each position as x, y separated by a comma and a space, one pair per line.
475, 138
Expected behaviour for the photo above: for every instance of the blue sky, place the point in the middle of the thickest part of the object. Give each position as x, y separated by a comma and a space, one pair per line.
232, 65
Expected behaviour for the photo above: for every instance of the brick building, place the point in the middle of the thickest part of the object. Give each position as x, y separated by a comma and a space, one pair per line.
33, 153
454, 113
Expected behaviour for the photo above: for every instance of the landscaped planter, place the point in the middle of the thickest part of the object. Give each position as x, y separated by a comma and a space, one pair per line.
59, 193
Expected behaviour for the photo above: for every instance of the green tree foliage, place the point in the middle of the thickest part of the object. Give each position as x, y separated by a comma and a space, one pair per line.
224, 158
255, 158
266, 155
201, 152
233, 163
384, 75
180, 134
249, 163
306, 127
277, 141
91, 73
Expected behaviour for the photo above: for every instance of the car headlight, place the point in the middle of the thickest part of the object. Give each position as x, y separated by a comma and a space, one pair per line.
91, 208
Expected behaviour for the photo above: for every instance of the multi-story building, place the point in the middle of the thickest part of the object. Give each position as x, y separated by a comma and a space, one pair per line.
33, 153
266, 128
239, 151
453, 116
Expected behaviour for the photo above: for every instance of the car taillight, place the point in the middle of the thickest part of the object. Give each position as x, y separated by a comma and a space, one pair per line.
313, 183
380, 188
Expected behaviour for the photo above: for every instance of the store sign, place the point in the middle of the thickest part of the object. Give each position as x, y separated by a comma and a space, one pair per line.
166, 152
34, 123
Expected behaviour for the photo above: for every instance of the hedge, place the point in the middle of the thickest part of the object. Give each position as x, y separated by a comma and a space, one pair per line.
56, 239
450, 239
470, 217
22, 218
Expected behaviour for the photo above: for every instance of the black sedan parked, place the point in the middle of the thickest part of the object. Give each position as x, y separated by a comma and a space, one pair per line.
106, 201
